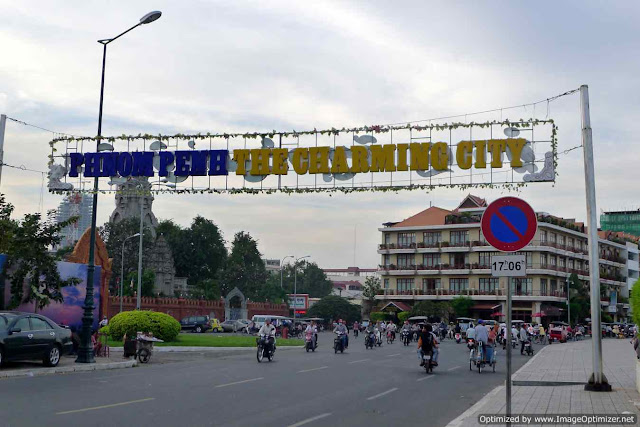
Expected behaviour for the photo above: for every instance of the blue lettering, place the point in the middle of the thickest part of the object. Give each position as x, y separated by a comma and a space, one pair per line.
142, 163
124, 164
108, 164
182, 168
166, 158
218, 162
92, 164
199, 163
77, 160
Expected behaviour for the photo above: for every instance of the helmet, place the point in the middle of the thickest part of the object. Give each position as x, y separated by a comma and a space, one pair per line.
480, 322
267, 320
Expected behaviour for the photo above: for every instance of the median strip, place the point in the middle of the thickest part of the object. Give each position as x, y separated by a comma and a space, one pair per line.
384, 393
310, 420
105, 406
239, 382
314, 369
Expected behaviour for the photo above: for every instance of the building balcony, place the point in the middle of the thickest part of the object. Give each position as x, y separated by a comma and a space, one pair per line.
496, 293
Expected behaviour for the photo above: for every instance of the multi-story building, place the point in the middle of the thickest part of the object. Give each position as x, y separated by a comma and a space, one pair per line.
439, 254
79, 205
348, 282
623, 221
272, 265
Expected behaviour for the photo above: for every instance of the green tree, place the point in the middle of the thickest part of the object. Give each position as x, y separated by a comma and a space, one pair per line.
271, 291
245, 268
147, 285
27, 246
462, 306
312, 280
579, 297
436, 310
370, 289
635, 302
333, 307
402, 316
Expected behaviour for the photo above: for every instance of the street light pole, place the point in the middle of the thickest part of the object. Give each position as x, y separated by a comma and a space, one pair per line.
568, 302
85, 351
140, 253
281, 265
122, 267
295, 283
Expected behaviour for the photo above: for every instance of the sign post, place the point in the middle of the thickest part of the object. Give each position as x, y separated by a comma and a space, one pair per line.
509, 224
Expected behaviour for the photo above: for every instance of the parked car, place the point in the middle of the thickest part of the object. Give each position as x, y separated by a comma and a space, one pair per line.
216, 326
27, 336
235, 325
196, 323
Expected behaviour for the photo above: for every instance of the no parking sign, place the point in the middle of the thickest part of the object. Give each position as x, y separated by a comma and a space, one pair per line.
509, 224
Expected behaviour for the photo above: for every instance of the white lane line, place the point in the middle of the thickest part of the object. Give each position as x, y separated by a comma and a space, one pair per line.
392, 355
310, 420
239, 382
105, 406
382, 394
359, 361
424, 378
314, 369
453, 369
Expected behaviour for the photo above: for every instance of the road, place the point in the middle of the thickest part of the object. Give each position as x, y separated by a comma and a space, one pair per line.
379, 387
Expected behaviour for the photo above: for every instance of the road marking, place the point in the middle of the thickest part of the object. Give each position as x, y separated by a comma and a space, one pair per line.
358, 361
314, 369
310, 420
105, 406
382, 394
239, 382
453, 369
392, 355
424, 378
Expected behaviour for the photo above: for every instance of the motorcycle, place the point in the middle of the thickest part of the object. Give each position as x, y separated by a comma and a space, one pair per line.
428, 364
458, 338
390, 337
338, 343
355, 332
369, 341
406, 338
265, 348
378, 338
514, 342
308, 342
528, 348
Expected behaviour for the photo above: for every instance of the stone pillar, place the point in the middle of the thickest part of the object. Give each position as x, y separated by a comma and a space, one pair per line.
537, 308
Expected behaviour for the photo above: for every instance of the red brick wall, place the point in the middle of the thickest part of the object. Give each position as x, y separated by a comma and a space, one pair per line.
180, 308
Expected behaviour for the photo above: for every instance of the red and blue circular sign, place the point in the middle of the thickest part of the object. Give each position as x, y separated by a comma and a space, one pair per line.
509, 224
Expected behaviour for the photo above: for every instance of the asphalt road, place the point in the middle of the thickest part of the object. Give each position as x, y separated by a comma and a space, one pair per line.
379, 387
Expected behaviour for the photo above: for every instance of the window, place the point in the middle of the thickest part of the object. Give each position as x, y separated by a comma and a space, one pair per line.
543, 260
430, 284
431, 260
528, 258
432, 238
458, 285
405, 260
562, 240
488, 284
553, 260
38, 324
553, 237
543, 286
554, 286
562, 262
571, 264
484, 259
406, 239
23, 324
543, 236
459, 237
572, 242
387, 238
405, 284
386, 283
458, 260
520, 286
386, 259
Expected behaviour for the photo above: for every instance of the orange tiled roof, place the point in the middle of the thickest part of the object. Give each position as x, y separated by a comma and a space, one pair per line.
431, 216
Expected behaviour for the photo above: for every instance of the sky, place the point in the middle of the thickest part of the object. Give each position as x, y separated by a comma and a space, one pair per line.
214, 66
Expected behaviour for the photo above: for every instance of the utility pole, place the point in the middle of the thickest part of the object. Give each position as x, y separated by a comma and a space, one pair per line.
3, 124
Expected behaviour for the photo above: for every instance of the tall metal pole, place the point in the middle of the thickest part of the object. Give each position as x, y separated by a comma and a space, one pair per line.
85, 351
295, 289
508, 339
597, 380
569, 303
3, 124
122, 274
140, 253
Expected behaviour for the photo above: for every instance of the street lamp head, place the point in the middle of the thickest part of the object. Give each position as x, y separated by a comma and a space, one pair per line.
150, 17
136, 235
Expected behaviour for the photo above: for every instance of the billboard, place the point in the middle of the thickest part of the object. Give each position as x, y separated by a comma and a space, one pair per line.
299, 302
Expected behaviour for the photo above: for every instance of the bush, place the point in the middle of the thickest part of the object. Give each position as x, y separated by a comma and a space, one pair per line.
403, 316
635, 302
377, 316
161, 325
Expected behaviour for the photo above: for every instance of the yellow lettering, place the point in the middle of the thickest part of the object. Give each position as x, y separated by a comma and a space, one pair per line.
440, 156
463, 154
382, 158
300, 163
240, 157
481, 154
359, 162
339, 163
319, 160
515, 146
260, 161
280, 163
401, 149
419, 156
496, 146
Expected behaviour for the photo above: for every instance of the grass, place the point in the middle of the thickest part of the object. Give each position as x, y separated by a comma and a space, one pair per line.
209, 340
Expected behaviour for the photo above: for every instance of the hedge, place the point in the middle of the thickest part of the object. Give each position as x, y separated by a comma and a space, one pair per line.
635, 302
161, 325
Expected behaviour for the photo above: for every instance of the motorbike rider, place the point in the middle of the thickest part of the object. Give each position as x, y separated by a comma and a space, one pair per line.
443, 329
378, 332
457, 329
428, 342
356, 329
482, 335
342, 329
370, 332
471, 333
269, 331
391, 327
313, 330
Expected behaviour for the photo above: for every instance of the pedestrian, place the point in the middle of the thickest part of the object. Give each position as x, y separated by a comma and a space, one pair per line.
523, 338
104, 322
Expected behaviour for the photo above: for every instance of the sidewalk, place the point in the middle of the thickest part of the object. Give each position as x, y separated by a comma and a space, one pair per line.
544, 384
67, 364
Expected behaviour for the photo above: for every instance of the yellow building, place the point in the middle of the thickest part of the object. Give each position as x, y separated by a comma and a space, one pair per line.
439, 254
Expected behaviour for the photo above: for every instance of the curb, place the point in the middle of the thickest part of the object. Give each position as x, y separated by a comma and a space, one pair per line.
480, 403
204, 349
66, 369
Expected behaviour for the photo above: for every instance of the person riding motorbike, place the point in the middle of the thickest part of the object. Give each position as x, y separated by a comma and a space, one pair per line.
428, 343
370, 332
313, 330
269, 331
391, 327
342, 329
443, 329
482, 335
